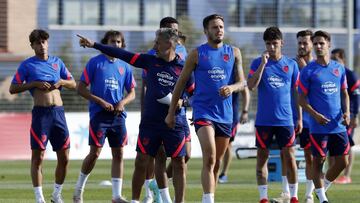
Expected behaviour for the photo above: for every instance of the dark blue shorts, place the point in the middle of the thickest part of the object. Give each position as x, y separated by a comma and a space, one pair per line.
106, 124
337, 144
221, 129
305, 138
186, 129
285, 136
49, 123
150, 139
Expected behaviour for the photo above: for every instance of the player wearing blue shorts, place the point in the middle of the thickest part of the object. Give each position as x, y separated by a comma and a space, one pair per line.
108, 78
275, 76
163, 71
161, 176
44, 76
304, 56
323, 94
218, 73
353, 91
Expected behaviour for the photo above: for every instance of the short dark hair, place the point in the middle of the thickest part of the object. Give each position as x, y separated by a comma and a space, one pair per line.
113, 33
207, 19
340, 52
168, 34
37, 35
167, 20
272, 33
323, 34
304, 33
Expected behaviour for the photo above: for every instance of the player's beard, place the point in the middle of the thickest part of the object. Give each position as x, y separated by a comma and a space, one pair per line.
216, 40
303, 53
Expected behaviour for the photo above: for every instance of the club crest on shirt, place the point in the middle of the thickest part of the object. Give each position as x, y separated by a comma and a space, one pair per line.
285, 69
226, 57
121, 70
177, 70
55, 66
336, 72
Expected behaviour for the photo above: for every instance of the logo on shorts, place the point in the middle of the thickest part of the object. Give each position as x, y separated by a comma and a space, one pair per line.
226, 57
145, 141
99, 133
286, 69
121, 70
336, 72
43, 138
323, 144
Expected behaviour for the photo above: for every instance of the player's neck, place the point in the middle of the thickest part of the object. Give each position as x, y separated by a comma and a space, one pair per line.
308, 58
276, 57
215, 45
323, 60
42, 56
168, 56
112, 59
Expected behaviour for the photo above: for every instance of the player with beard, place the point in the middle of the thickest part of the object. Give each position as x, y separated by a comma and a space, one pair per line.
218, 73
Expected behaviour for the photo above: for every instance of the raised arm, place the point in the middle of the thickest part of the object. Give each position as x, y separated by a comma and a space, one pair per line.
190, 65
255, 78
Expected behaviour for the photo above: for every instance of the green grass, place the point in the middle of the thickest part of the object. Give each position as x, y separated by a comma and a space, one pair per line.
15, 183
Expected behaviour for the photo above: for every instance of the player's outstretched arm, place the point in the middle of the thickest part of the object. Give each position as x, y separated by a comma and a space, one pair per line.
190, 65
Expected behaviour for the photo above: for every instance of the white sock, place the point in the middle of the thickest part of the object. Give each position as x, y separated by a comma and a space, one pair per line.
38, 193
327, 184
116, 187
321, 194
263, 191
134, 201
80, 184
57, 189
293, 190
208, 198
309, 188
285, 184
165, 195
148, 192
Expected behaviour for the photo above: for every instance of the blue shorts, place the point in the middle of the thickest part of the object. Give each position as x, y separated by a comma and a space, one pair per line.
106, 124
186, 129
221, 129
305, 138
150, 139
285, 136
49, 123
337, 144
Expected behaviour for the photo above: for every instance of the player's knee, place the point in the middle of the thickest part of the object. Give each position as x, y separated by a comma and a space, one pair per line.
209, 162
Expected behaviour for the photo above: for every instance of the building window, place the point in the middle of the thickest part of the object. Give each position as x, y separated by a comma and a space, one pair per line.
331, 13
53, 11
122, 12
295, 13
155, 10
258, 13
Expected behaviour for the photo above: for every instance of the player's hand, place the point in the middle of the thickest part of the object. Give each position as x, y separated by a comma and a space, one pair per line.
244, 118
354, 122
119, 107
346, 120
57, 85
225, 91
107, 106
301, 61
170, 120
85, 42
298, 127
41, 85
321, 119
265, 57
179, 104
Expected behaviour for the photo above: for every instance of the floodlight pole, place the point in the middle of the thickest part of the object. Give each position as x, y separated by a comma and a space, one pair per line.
350, 32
